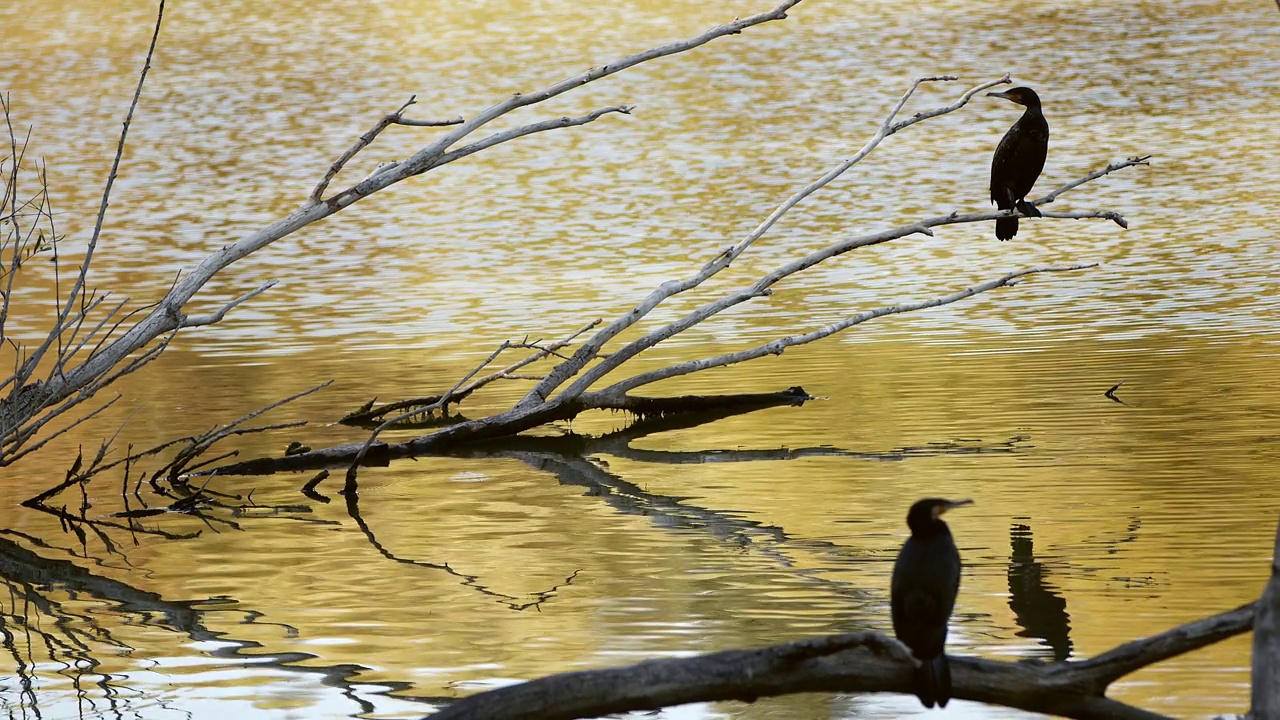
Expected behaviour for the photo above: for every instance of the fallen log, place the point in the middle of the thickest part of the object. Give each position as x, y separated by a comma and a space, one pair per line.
857, 662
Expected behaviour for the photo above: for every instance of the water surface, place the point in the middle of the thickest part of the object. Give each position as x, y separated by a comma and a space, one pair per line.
1094, 522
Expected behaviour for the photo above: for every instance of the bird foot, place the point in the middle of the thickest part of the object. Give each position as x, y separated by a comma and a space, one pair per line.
1027, 208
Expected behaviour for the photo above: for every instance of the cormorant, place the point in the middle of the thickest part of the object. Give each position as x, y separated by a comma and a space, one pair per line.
926, 577
1018, 160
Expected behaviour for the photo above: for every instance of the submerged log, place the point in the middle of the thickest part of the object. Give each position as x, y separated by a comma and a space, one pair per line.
513, 422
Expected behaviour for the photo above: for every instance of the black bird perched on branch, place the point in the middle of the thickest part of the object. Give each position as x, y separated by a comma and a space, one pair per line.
926, 577
1018, 160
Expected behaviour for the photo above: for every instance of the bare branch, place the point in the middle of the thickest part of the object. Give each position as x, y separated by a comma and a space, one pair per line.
1132, 656
499, 138
1264, 698
964, 100
83, 275
505, 373
857, 662
212, 318
590, 350
1127, 163
428, 156
762, 286
395, 118
199, 444
424, 406
776, 347
62, 431
167, 314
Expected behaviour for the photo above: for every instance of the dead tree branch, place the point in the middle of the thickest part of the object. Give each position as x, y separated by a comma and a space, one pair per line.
590, 350
28, 397
520, 419
858, 662
395, 118
539, 407
776, 347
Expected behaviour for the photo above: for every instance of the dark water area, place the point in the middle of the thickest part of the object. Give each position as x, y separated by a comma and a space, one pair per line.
1094, 522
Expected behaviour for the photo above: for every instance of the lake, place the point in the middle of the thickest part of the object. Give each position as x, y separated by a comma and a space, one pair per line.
1095, 522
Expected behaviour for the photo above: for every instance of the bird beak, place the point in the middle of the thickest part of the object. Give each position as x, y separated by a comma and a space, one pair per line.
955, 504
1004, 95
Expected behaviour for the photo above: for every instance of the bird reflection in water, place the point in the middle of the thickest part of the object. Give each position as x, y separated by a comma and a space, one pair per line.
1038, 610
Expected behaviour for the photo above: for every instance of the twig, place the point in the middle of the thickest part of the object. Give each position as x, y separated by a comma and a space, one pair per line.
776, 347
395, 118
198, 320
440, 403
83, 275
203, 442
552, 349
1127, 163
506, 135
458, 391
887, 128
27, 433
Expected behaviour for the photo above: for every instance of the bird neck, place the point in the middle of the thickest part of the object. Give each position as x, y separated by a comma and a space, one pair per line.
928, 527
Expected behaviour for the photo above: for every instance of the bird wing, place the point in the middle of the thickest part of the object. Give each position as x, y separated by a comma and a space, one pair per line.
922, 596
1018, 161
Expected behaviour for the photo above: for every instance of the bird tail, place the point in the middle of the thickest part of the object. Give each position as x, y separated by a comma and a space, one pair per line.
933, 682
1006, 228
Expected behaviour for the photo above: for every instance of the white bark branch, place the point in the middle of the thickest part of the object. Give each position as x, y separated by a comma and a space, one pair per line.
211, 318
591, 349
776, 347
82, 277
395, 118
762, 286
504, 136
26, 400
428, 156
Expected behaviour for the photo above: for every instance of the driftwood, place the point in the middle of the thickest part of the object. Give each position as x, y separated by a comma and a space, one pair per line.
858, 662
485, 429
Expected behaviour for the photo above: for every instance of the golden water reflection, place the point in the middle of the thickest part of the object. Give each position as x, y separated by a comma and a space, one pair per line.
1112, 520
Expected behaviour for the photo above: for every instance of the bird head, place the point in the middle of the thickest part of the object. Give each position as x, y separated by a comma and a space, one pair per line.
1020, 95
928, 511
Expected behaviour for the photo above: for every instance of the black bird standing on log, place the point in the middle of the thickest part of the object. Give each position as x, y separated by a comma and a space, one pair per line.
1018, 160
926, 577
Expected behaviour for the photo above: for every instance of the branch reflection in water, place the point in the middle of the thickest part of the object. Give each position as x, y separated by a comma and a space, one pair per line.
575, 460
58, 646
